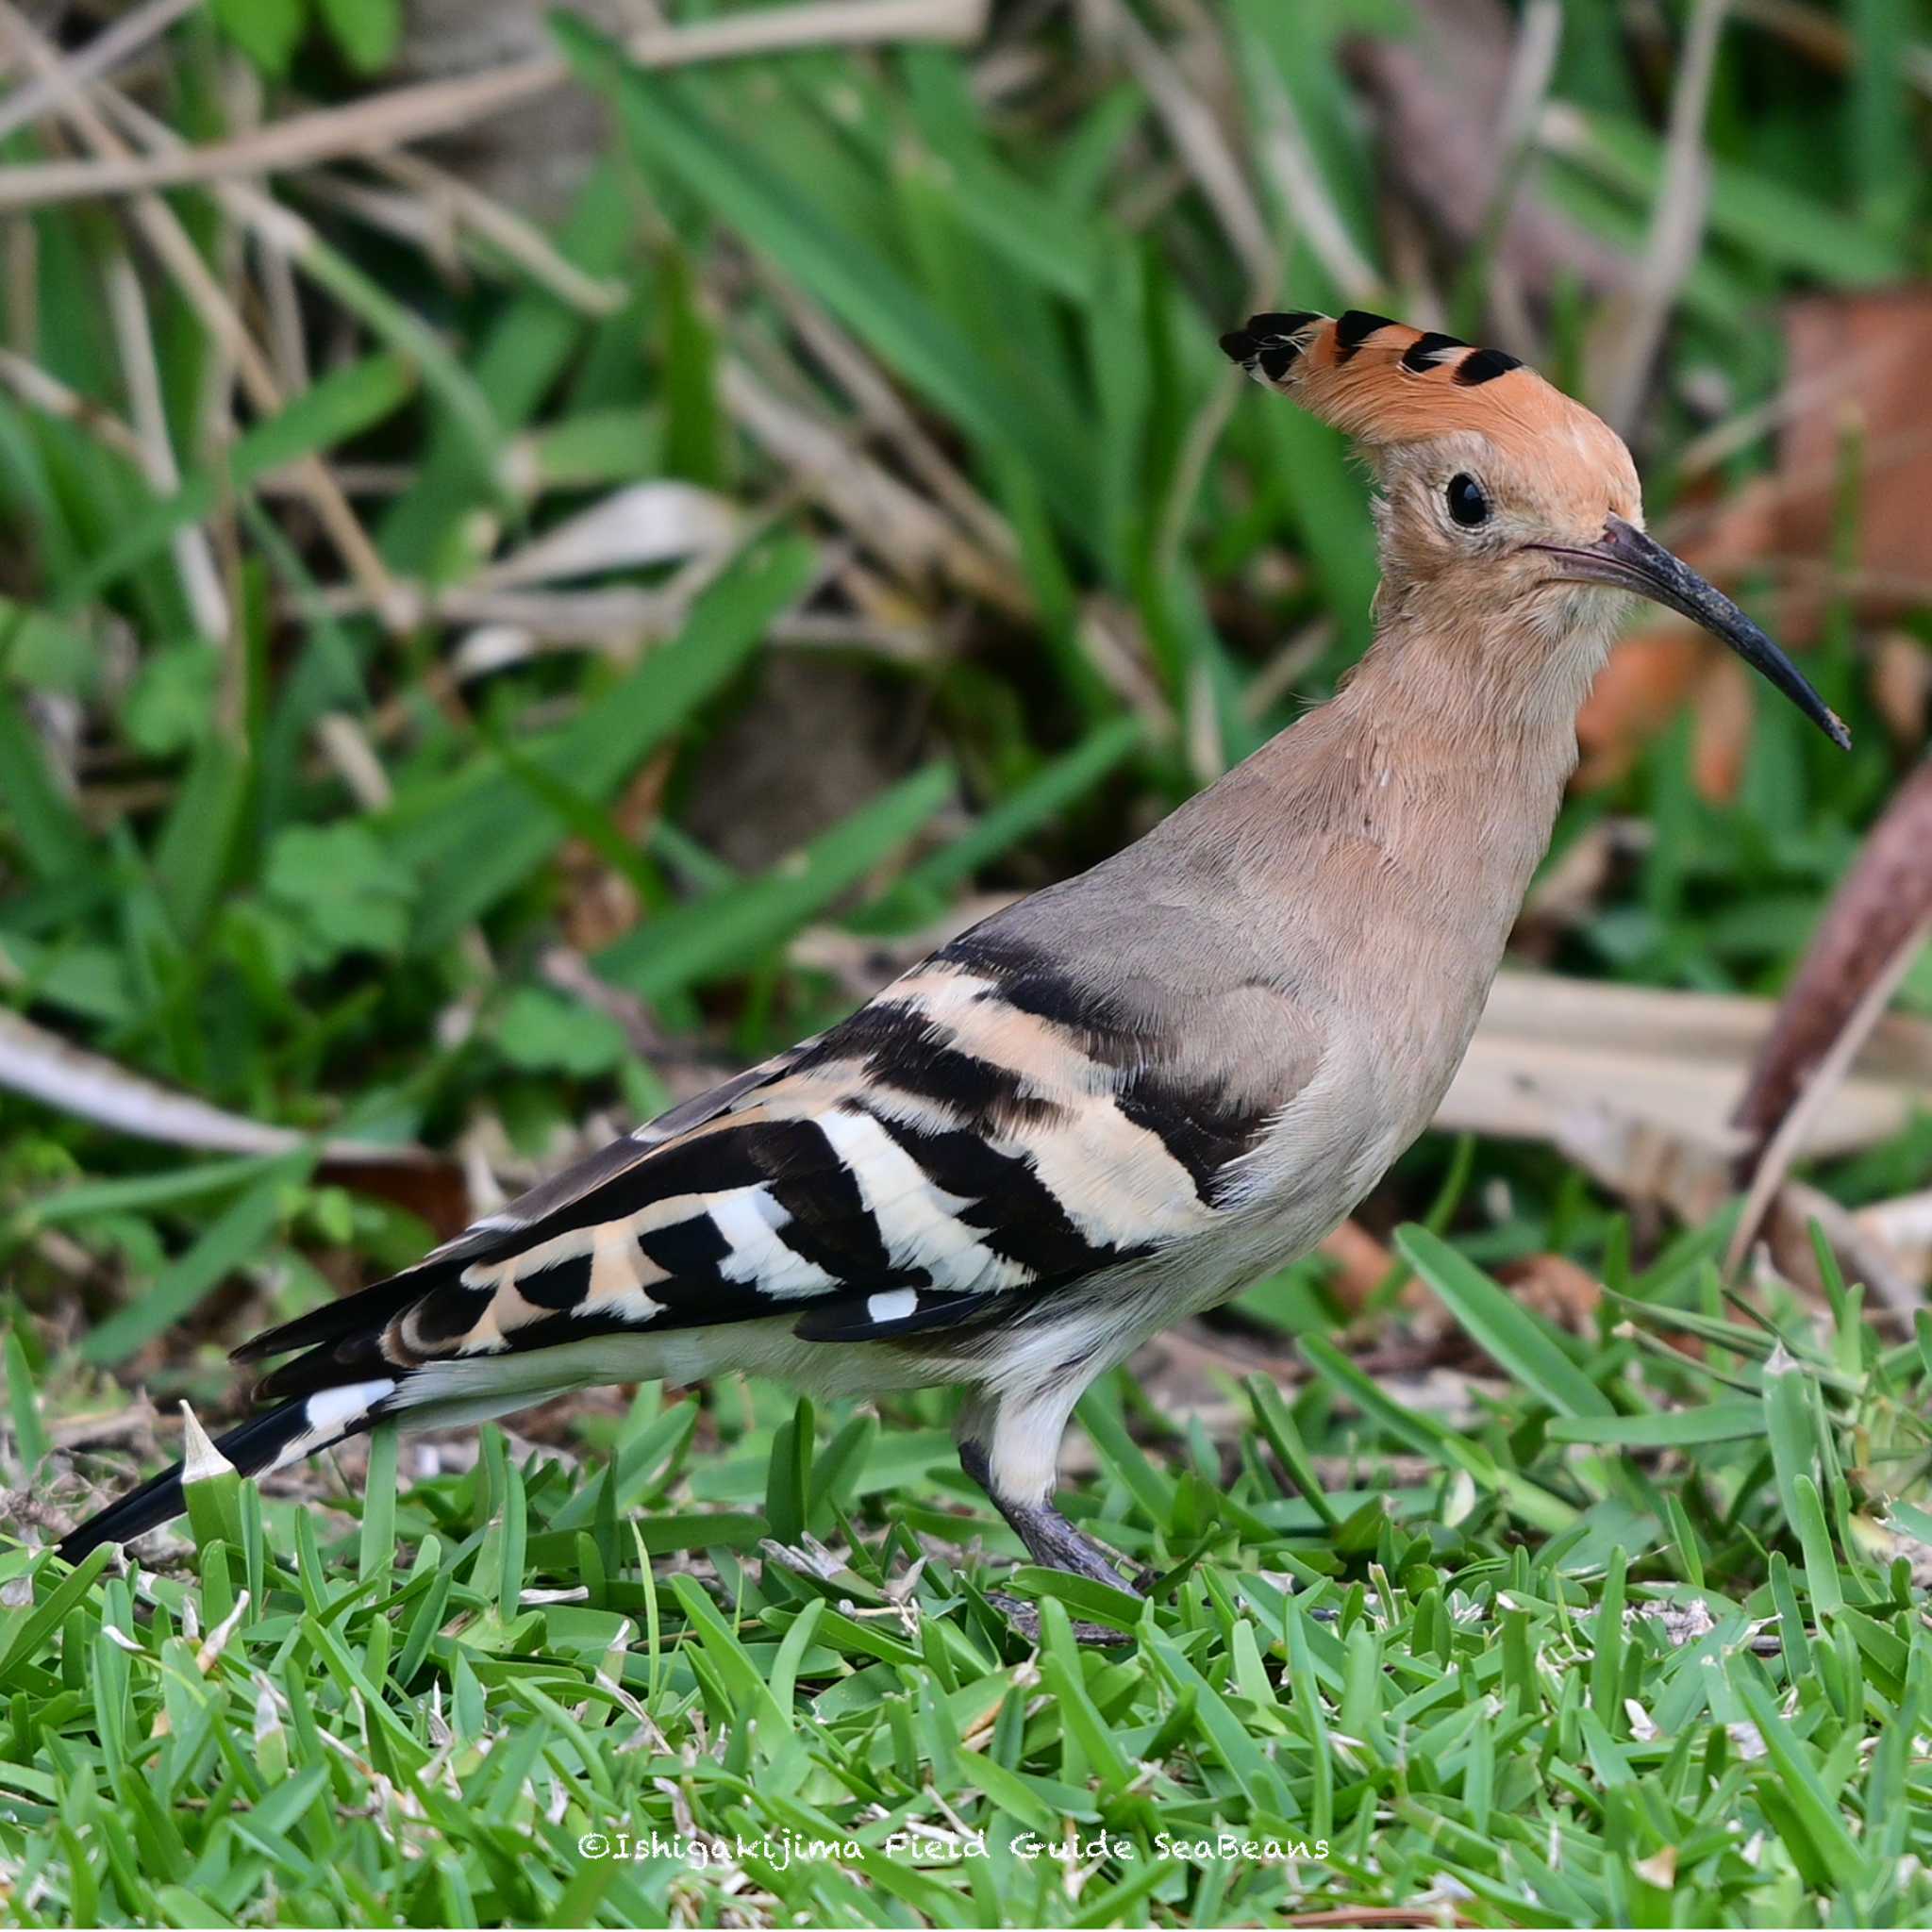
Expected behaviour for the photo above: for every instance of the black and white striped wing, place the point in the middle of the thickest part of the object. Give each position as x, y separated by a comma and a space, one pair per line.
976, 1137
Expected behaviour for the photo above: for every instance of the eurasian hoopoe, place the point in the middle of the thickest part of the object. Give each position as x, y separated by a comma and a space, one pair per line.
1120, 1100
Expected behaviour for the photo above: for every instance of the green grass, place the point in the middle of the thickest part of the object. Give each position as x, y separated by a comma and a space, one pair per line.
1419, 1619
1574, 1666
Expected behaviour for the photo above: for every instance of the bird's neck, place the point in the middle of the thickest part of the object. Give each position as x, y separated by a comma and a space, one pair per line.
1419, 799
1464, 739
1504, 679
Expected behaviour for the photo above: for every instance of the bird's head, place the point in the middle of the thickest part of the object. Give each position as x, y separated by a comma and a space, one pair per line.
1502, 497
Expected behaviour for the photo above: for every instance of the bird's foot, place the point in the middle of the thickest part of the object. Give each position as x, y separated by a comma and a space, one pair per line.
1054, 1544
1024, 1617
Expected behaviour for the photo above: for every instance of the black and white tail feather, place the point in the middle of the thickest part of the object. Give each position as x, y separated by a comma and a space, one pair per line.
262, 1443
933, 1181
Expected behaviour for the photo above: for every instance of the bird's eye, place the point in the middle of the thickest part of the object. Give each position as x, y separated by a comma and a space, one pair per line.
1467, 503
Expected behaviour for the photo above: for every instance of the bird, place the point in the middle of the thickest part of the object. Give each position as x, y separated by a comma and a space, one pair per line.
1123, 1099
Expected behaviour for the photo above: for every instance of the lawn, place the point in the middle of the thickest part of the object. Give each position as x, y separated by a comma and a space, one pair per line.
488, 650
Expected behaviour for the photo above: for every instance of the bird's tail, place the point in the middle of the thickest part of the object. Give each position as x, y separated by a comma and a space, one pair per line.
342, 1381
263, 1442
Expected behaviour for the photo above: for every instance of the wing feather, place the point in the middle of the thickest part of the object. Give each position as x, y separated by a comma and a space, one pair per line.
946, 1154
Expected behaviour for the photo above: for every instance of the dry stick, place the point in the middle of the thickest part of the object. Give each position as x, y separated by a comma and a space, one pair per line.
1677, 221
428, 228
1887, 896
50, 397
1290, 163
134, 341
1209, 420
1196, 453
1437, 97
1525, 88
799, 25
521, 241
879, 403
1197, 137
52, 1069
179, 256
1532, 66
287, 342
1786, 1143
281, 230
99, 57
415, 113
1195, 132
889, 518
353, 759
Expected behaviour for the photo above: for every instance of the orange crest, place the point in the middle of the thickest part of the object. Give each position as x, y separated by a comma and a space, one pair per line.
1386, 384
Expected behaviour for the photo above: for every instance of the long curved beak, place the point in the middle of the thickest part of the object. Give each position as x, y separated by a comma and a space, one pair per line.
1632, 562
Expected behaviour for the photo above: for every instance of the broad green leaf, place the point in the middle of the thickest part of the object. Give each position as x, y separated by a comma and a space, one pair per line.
1508, 1331
731, 929
338, 406
266, 30
237, 1235
1681, 1428
544, 1033
366, 30
479, 836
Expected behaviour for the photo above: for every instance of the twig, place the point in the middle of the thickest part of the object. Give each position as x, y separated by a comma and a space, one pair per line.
288, 344
99, 57
1785, 1145
570, 972
1297, 176
880, 403
52, 1070
1196, 133
1525, 88
183, 260
1439, 98
347, 747
389, 120
134, 341
519, 240
52, 397
891, 519
1677, 221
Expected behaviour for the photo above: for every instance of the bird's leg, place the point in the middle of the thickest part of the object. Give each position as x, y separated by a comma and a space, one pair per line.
1051, 1540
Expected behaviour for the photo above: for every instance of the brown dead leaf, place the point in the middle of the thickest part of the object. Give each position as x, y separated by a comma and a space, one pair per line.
1438, 96
1360, 1262
1555, 1287
1902, 686
1855, 424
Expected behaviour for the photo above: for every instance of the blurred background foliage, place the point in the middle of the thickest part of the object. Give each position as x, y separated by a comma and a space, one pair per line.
539, 597
546, 559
